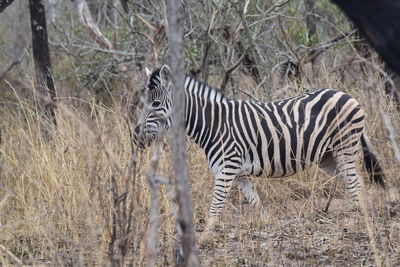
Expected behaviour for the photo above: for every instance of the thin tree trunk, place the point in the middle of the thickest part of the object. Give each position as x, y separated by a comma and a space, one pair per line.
41, 58
311, 23
183, 193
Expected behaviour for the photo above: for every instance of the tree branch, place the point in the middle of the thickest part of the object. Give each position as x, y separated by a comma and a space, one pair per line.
86, 19
232, 68
16, 62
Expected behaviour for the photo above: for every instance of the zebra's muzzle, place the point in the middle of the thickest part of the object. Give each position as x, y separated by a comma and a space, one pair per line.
142, 138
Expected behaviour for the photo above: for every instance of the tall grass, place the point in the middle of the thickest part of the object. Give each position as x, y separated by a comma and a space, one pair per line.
62, 200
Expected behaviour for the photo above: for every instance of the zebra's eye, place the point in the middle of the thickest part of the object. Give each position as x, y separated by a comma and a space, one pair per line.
156, 104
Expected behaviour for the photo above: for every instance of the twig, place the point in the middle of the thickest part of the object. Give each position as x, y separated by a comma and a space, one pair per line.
151, 27
12, 255
290, 46
111, 253
16, 62
4, 200
331, 193
98, 49
245, 93
232, 68
311, 53
276, 6
391, 134
151, 245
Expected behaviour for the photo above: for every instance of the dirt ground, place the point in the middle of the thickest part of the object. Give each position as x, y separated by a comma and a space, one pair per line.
338, 237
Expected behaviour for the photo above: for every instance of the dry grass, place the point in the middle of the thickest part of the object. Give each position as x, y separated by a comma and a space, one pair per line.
57, 206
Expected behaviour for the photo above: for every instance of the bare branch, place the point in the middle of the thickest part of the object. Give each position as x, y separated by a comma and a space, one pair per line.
391, 134
245, 93
16, 62
86, 19
12, 255
231, 69
151, 245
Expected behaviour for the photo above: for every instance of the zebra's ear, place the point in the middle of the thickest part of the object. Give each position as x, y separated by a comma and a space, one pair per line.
148, 72
165, 76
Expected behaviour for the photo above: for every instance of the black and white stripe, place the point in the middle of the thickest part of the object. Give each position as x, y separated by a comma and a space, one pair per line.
275, 139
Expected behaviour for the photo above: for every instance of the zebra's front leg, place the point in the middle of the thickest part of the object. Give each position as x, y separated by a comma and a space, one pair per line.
250, 193
222, 186
246, 187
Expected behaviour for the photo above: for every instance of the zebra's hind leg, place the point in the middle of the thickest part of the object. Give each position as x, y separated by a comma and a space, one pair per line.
341, 163
346, 167
251, 195
329, 165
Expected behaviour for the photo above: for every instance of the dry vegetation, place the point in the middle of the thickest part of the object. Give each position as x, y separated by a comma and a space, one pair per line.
56, 204
80, 198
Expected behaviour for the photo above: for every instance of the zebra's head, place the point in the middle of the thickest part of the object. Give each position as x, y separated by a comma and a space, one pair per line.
155, 118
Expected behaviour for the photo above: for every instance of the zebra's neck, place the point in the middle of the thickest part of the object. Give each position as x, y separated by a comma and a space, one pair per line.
202, 90
202, 103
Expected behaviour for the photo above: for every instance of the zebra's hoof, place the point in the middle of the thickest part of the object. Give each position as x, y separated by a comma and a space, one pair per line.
263, 216
208, 231
205, 239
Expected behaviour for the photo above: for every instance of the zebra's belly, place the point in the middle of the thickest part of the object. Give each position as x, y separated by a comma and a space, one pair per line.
276, 168
277, 173
285, 162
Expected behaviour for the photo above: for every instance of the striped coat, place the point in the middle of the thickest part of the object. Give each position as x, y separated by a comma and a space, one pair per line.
274, 139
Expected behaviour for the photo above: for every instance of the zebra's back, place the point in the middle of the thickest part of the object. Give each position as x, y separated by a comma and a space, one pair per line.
281, 138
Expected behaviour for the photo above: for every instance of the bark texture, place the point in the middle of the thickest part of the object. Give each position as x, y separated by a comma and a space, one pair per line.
41, 58
183, 192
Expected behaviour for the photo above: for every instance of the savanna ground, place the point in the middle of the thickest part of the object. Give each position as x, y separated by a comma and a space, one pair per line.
76, 195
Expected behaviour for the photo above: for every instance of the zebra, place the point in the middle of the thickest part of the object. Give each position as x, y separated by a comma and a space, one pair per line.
275, 139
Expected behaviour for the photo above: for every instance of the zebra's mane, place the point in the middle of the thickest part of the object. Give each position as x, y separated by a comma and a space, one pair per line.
207, 91
210, 92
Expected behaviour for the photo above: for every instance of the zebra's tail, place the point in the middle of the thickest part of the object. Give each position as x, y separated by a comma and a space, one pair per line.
371, 163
